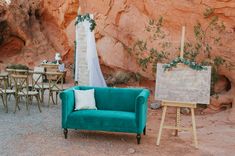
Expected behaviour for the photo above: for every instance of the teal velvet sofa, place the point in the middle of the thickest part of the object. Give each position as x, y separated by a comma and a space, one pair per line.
118, 110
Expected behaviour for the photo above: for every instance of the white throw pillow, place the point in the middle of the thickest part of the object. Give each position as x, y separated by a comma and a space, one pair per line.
84, 99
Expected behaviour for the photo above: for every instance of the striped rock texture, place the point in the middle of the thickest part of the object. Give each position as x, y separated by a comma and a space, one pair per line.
33, 30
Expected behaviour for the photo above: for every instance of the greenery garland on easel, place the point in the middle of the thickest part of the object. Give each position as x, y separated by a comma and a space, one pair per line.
191, 64
82, 18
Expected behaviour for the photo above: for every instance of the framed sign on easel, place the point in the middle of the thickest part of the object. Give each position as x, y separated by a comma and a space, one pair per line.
182, 84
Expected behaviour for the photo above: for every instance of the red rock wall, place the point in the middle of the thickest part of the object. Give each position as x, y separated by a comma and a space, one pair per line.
119, 23
124, 22
36, 29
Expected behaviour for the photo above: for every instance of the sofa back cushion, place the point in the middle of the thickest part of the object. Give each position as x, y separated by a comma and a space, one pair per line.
120, 99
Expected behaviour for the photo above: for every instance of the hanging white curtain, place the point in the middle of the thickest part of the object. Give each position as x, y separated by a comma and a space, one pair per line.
95, 74
76, 76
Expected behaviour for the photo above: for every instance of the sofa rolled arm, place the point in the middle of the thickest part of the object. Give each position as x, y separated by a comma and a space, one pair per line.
141, 110
67, 98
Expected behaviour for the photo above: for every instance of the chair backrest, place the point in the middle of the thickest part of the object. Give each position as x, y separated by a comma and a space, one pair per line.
50, 68
36, 76
55, 79
21, 82
14, 71
3, 84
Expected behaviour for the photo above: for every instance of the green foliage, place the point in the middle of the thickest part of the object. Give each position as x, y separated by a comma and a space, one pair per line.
208, 12
218, 61
122, 77
146, 56
198, 32
192, 65
191, 50
86, 17
143, 62
128, 49
18, 66
206, 37
137, 76
141, 45
215, 63
155, 28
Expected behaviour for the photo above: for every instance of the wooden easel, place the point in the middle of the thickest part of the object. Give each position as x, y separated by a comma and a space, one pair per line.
177, 127
178, 105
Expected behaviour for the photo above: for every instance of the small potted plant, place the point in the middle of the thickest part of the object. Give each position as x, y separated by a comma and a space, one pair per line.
17, 68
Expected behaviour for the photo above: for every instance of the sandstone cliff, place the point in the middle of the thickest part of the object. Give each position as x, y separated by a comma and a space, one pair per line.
33, 30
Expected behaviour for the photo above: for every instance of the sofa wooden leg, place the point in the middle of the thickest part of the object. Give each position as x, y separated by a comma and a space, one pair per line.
138, 137
144, 132
65, 133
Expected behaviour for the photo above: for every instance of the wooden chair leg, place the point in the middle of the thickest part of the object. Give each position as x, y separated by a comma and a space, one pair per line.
17, 102
161, 125
52, 98
27, 104
138, 137
42, 96
6, 103
56, 99
38, 100
30, 100
49, 98
9, 98
3, 101
194, 128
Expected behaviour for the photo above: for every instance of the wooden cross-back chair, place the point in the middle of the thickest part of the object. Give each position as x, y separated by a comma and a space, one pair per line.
5, 90
56, 80
11, 83
37, 81
14, 71
21, 82
2, 94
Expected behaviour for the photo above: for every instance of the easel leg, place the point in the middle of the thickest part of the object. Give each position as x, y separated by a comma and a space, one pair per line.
194, 128
161, 125
177, 124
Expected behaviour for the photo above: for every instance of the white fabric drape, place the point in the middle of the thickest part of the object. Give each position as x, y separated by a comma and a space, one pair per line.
95, 74
76, 77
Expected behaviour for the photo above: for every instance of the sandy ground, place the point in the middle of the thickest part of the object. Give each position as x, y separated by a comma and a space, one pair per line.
41, 134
